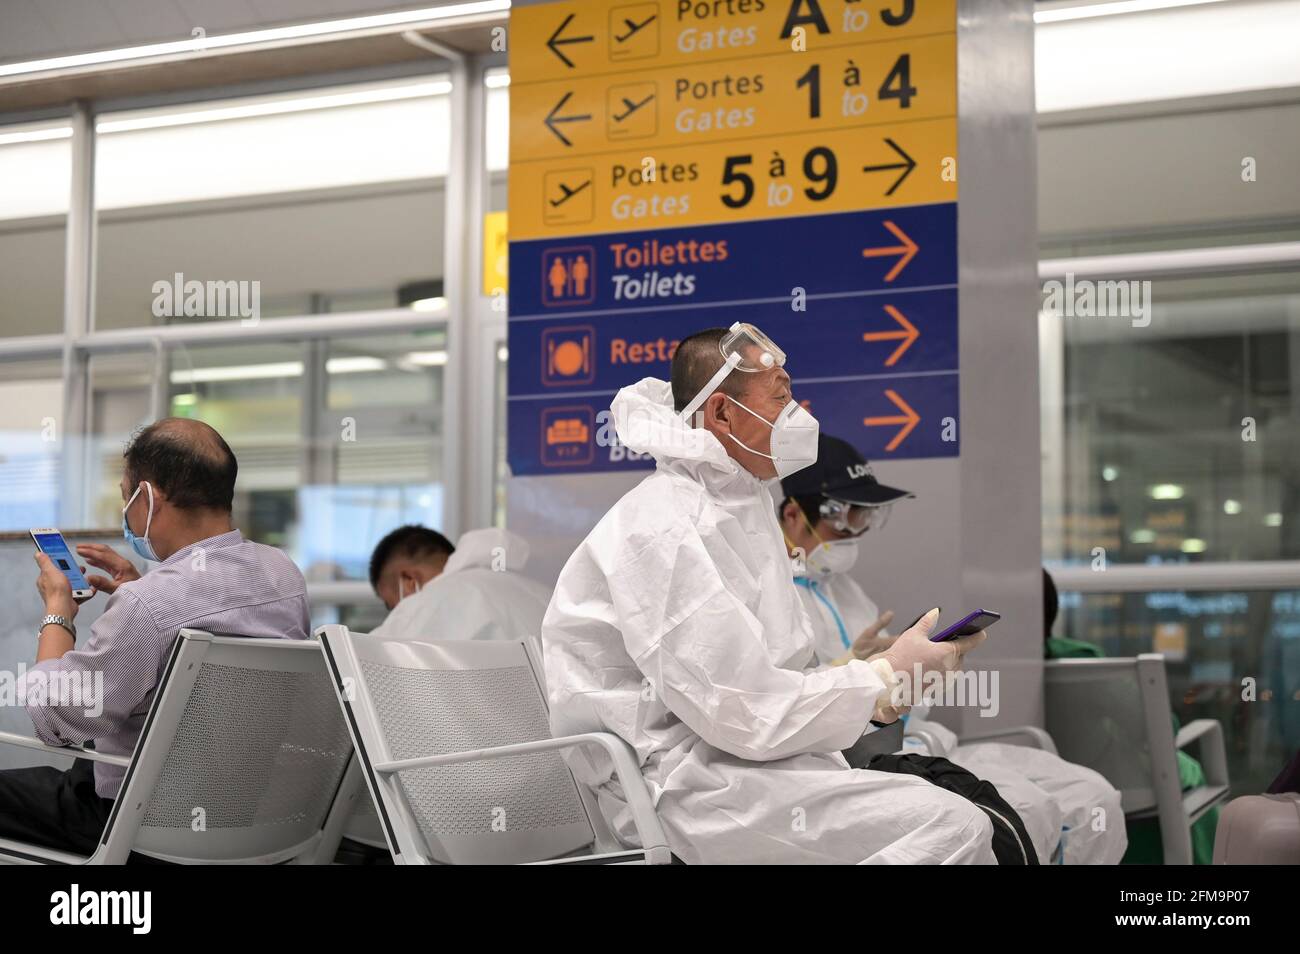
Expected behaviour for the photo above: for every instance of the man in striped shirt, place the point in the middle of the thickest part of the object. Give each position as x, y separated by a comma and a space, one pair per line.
178, 486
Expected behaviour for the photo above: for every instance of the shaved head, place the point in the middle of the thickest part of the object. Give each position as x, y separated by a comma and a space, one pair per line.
187, 460
696, 360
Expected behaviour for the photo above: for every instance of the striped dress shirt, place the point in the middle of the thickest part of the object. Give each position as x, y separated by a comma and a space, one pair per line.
224, 584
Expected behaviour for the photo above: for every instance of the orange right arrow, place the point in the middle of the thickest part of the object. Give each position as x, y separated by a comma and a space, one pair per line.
909, 419
906, 251
907, 331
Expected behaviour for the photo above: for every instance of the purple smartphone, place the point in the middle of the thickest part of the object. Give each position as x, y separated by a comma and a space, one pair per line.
968, 625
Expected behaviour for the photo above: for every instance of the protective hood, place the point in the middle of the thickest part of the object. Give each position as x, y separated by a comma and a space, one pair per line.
491, 548
647, 424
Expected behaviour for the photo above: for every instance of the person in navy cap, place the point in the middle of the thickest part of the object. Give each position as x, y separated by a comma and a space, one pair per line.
826, 510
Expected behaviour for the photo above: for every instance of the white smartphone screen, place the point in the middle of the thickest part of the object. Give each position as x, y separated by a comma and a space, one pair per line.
56, 548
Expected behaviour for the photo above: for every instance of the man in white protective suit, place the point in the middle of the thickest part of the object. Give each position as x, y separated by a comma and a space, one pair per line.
825, 512
474, 590
675, 625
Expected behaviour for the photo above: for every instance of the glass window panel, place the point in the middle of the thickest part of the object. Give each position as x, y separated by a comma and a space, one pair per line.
378, 449
496, 154
1179, 441
395, 371
35, 182
253, 395
257, 204
338, 441
121, 390
1212, 643
31, 441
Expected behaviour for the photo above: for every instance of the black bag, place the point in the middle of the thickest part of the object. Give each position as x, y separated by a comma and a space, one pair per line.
1011, 842
881, 741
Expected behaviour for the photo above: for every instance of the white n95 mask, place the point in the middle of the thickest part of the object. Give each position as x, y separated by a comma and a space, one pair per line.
828, 559
794, 438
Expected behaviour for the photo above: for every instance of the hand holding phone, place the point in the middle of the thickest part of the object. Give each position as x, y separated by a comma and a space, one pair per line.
968, 625
915, 653
50, 542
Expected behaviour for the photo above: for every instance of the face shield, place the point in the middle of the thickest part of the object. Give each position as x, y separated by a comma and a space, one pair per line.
744, 348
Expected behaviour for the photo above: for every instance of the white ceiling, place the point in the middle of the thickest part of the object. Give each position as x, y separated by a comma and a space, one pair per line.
33, 29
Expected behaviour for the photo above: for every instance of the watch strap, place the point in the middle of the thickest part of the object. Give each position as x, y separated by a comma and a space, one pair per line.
57, 620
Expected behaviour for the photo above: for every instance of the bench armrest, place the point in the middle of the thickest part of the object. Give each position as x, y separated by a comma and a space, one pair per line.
71, 751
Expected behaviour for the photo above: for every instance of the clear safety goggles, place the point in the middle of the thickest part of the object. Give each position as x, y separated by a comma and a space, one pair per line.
744, 348
854, 518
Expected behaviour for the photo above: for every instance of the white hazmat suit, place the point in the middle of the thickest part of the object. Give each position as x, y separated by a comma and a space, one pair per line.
1056, 799
480, 594
675, 626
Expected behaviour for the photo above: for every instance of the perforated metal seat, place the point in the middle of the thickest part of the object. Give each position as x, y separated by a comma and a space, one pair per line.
244, 758
455, 741
1112, 715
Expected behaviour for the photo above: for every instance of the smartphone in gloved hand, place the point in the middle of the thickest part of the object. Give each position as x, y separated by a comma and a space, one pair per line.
968, 625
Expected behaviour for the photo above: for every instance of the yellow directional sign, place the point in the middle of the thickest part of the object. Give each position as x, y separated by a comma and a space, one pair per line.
670, 157
590, 37
835, 171
496, 260
861, 85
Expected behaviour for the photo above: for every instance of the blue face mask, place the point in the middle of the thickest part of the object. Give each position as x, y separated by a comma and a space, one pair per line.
141, 543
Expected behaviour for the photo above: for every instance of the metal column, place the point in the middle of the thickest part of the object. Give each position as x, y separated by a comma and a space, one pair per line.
78, 319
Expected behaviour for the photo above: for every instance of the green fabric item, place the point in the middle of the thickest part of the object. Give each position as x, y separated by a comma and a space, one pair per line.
1061, 647
1190, 774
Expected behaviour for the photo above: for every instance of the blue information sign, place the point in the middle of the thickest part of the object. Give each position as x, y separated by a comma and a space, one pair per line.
863, 303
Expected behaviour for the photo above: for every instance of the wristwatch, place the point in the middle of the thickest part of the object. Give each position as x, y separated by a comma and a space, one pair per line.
57, 620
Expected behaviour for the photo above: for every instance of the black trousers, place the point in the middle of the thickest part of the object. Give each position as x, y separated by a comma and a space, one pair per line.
54, 809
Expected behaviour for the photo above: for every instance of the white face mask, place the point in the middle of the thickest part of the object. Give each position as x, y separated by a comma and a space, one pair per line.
141, 544
794, 438
838, 556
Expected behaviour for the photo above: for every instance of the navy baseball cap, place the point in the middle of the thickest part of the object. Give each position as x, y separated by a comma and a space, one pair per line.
840, 473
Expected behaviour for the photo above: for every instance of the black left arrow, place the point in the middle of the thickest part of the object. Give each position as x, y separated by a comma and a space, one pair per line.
552, 119
907, 165
554, 43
